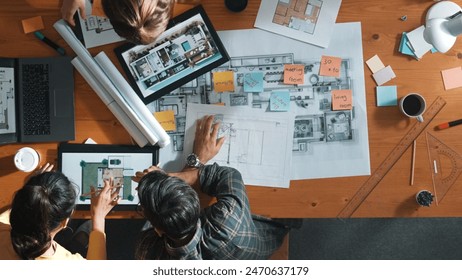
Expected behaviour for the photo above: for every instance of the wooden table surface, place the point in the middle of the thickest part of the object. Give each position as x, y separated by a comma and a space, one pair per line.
381, 32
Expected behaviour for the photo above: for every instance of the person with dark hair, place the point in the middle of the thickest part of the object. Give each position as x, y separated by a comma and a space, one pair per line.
138, 21
42, 208
223, 230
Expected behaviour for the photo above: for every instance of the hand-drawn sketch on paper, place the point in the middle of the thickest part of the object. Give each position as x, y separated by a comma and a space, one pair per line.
250, 140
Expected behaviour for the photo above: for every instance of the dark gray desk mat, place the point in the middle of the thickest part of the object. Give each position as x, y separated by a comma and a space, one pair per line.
377, 238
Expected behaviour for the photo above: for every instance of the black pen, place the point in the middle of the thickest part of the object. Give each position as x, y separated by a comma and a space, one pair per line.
50, 43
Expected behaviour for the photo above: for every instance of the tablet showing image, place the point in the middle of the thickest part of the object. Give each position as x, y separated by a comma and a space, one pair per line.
188, 48
90, 164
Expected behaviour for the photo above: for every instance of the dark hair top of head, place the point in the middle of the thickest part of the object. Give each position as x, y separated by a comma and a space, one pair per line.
169, 203
39, 207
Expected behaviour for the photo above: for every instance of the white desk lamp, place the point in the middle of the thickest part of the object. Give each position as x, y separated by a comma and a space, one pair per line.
443, 25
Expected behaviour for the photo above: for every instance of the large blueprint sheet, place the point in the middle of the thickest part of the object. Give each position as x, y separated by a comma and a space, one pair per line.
325, 143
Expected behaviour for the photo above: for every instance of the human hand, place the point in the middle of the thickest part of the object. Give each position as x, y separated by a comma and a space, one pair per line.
140, 174
70, 7
206, 144
102, 202
46, 168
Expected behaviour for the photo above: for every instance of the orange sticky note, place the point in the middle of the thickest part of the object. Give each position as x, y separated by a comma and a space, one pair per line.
32, 24
294, 74
330, 66
97, 9
166, 119
223, 81
342, 100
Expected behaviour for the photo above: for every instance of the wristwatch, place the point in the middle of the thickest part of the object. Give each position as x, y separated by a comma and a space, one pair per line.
193, 161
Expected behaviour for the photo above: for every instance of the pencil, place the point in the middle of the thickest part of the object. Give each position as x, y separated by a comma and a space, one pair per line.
449, 124
413, 163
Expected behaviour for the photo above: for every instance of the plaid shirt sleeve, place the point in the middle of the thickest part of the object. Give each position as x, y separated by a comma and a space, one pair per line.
229, 230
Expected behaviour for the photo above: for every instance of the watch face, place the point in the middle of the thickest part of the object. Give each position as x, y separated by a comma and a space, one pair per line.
191, 160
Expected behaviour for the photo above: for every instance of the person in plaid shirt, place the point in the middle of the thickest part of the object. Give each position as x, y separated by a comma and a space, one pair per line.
225, 230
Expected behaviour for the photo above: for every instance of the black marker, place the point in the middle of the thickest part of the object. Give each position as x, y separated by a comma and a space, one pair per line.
449, 124
50, 43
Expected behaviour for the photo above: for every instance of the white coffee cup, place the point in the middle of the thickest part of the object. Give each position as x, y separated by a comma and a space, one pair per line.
413, 106
27, 159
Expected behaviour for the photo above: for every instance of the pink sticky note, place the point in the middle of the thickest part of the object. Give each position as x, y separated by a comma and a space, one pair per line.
452, 78
330, 66
342, 100
294, 74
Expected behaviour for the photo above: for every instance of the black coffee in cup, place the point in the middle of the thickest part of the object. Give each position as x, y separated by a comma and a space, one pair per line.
412, 105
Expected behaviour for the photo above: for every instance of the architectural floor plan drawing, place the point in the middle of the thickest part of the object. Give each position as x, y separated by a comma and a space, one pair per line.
310, 21
172, 56
7, 101
114, 166
298, 14
324, 143
180, 52
251, 137
88, 169
314, 97
95, 30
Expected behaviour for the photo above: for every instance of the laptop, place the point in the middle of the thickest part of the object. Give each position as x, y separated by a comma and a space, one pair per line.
36, 100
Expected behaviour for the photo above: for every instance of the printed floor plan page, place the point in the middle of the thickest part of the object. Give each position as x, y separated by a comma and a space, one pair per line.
7, 101
310, 21
251, 139
325, 142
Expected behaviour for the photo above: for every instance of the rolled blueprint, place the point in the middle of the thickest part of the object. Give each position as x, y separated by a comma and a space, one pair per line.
126, 122
98, 74
133, 100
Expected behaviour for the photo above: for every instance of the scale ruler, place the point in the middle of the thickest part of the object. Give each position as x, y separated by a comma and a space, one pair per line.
391, 159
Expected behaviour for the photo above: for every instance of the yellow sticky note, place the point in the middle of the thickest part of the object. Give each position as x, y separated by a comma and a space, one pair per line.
294, 74
32, 24
330, 66
342, 100
97, 9
166, 119
223, 81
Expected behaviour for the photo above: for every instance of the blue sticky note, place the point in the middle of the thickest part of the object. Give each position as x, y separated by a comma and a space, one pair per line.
404, 47
253, 82
387, 95
280, 101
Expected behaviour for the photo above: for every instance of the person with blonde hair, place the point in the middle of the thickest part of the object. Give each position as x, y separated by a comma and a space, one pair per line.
138, 21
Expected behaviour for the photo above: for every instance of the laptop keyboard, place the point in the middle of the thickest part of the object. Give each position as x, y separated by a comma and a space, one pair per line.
36, 99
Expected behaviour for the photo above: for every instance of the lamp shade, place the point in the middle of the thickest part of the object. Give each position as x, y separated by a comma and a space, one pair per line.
443, 25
